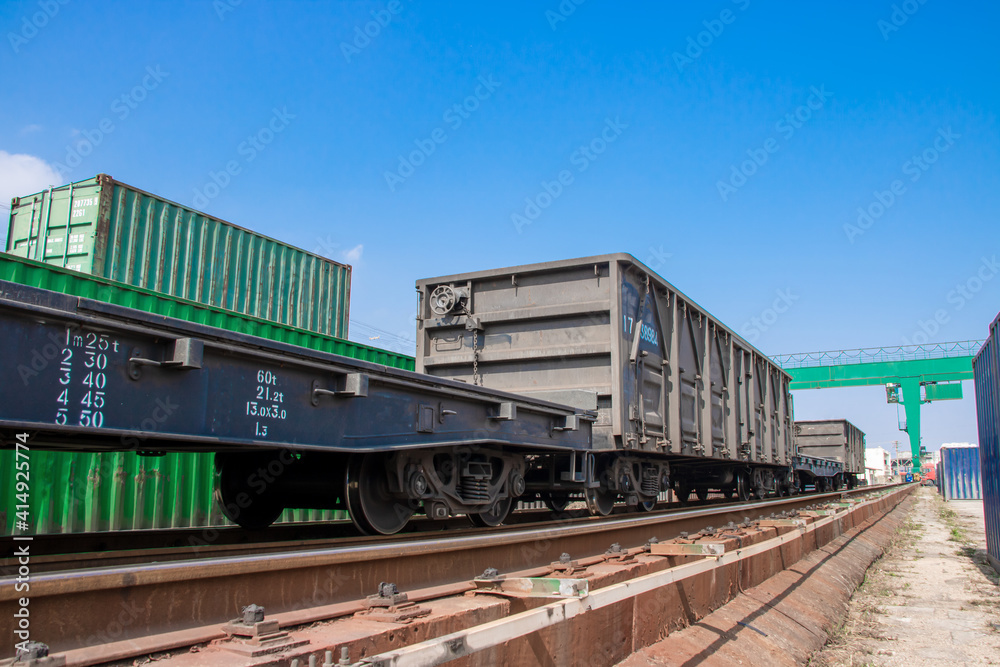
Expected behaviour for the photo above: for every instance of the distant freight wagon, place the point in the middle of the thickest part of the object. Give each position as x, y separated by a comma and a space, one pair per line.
108, 229
836, 439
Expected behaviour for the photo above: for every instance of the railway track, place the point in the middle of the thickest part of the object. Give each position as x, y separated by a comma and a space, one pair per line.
75, 551
300, 584
78, 551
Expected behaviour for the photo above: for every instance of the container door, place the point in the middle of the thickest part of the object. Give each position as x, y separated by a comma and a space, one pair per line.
719, 363
645, 341
777, 396
741, 402
759, 409
691, 361
57, 226
650, 373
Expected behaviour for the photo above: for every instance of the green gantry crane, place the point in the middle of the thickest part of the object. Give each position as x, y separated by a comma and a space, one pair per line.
912, 374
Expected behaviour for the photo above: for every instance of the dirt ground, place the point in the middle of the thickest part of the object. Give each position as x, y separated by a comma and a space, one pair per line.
931, 600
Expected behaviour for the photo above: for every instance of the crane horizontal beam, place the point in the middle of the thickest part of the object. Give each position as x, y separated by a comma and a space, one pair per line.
947, 369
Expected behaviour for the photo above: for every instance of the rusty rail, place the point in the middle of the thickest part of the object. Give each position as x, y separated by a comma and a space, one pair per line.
78, 551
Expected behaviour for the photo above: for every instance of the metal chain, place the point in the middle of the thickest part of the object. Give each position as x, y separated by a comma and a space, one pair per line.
476, 380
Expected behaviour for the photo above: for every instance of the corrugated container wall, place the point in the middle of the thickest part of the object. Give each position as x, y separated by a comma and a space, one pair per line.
122, 490
106, 228
986, 367
960, 477
607, 333
836, 439
44, 276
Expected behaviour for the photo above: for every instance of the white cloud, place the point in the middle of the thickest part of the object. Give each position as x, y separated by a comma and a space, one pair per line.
353, 256
22, 174
28, 129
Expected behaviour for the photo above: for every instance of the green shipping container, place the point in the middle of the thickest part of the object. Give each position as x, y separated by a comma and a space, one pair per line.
122, 490
44, 276
108, 229
83, 493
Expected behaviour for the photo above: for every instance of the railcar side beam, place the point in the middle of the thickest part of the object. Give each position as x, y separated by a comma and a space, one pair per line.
86, 375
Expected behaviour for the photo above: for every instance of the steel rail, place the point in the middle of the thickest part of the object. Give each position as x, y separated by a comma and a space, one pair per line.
76, 551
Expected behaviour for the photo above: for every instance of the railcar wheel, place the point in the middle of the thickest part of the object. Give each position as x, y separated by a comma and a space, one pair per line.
682, 491
601, 500
795, 487
742, 487
249, 508
556, 503
372, 508
646, 505
494, 516
701, 492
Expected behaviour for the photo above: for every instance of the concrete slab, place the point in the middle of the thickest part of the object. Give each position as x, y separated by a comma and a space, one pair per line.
786, 618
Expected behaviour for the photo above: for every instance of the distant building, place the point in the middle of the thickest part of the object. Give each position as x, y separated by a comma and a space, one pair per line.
878, 465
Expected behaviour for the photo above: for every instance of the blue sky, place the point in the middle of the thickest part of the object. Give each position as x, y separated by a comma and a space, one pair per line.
839, 156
